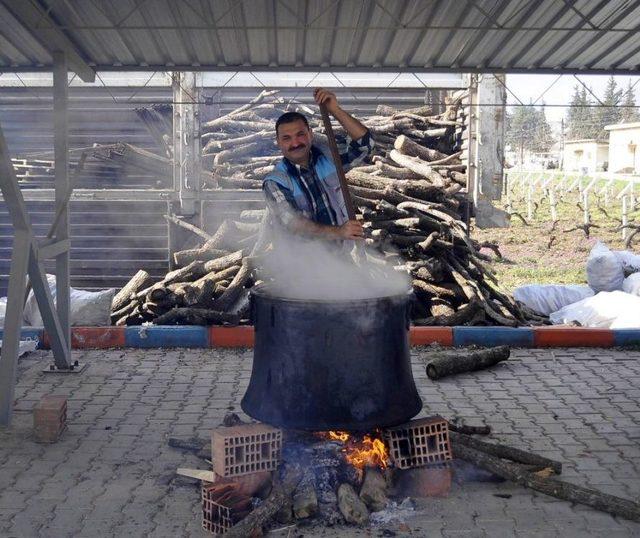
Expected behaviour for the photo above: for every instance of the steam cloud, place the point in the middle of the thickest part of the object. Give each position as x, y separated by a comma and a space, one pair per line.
313, 269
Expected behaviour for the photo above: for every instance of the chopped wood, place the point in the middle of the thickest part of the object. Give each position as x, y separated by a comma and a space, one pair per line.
280, 494
139, 281
460, 361
408, 147
616, 506
199, 474
196, 316
502, 451
187, 226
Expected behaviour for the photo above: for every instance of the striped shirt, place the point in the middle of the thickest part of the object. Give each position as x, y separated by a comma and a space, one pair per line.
280, 200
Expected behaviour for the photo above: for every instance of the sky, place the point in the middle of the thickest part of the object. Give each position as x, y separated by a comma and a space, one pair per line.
528, 88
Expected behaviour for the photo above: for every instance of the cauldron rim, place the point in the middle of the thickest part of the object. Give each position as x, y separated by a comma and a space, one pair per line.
263, 293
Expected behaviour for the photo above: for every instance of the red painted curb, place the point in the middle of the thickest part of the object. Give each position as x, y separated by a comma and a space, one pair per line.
93, 338
423, 336
242, 336
572, 337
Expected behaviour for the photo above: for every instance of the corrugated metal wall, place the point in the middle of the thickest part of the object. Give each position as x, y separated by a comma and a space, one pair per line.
111, 240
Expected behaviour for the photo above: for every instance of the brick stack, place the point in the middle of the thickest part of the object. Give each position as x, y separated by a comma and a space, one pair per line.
49, 418
243, 459
421, 451
245, 449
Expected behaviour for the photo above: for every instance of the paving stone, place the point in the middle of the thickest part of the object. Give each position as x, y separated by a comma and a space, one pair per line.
562, 404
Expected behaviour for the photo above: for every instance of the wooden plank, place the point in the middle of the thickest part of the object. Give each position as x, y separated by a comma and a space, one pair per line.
200, 474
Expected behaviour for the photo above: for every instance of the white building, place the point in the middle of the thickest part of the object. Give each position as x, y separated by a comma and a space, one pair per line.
624, 156
588, 155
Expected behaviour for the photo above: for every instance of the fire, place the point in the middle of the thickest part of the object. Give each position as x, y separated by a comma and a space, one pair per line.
361, 452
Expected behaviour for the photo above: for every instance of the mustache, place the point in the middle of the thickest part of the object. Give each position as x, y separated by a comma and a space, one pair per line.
298, 147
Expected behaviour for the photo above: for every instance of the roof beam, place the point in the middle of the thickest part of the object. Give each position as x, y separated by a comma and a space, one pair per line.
531, 8
44, 29
632, 6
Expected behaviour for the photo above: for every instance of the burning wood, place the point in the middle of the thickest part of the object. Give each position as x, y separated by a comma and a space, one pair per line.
362, 451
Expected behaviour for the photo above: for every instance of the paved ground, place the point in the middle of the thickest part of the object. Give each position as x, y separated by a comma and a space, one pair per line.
113, 473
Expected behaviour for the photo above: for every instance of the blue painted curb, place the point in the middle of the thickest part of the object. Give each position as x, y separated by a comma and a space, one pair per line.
626, 337
29, 333
493, 336
166, 336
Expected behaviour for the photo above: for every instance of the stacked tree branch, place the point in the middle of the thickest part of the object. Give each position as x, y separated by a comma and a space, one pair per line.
240, 147
209, 287
409, 195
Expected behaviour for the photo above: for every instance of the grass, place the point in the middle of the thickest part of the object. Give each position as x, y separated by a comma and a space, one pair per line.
528, 259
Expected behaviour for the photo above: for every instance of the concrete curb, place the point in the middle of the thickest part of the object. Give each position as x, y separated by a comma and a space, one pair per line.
190, 336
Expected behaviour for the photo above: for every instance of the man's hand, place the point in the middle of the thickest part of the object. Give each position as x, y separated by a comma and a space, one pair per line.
351, 229
327, 98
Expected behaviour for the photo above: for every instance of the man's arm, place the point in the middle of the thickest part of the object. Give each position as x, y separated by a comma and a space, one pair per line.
354, 128
280, 203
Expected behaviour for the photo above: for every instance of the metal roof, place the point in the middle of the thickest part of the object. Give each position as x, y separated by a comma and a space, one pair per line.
410, 35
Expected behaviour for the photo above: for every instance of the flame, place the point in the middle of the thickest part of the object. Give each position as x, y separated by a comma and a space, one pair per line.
361, 452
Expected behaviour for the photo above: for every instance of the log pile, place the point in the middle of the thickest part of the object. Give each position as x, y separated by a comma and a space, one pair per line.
240, 149
410, 196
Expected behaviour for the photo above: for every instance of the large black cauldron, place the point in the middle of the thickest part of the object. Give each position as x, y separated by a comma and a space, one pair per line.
331, 365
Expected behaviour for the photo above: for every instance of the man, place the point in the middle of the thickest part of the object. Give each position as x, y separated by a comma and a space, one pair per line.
303, 192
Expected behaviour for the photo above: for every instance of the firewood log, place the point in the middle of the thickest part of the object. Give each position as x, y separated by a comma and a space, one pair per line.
459, 362
461, 316
139, 281
185, 257
235, 287
407, 147
123, 312
214, 146
280, 493
394, 171
202, 291
196, 316
504, 451
418, 166
553, 487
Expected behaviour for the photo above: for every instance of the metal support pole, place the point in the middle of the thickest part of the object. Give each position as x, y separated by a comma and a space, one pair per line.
187, 166
13, 323
61, 156
25, 259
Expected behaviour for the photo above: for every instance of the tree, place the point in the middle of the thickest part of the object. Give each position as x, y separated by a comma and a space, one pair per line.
629, 113
610, 113
543, 135
581, 120
527, 129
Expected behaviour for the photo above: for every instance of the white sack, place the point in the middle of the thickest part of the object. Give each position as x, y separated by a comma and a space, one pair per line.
630, 261
547, 298
603, 310
604, 269
88, 308
631, 284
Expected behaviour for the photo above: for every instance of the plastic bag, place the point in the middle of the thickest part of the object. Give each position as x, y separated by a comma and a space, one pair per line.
630, 261
605, 309
604, 269
631, 284
547, 298
88, 308
3, 309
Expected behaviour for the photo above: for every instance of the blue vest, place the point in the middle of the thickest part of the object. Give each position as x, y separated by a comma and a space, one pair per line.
326, 172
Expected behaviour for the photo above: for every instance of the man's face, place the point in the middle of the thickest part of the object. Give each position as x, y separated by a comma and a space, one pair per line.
294, 140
